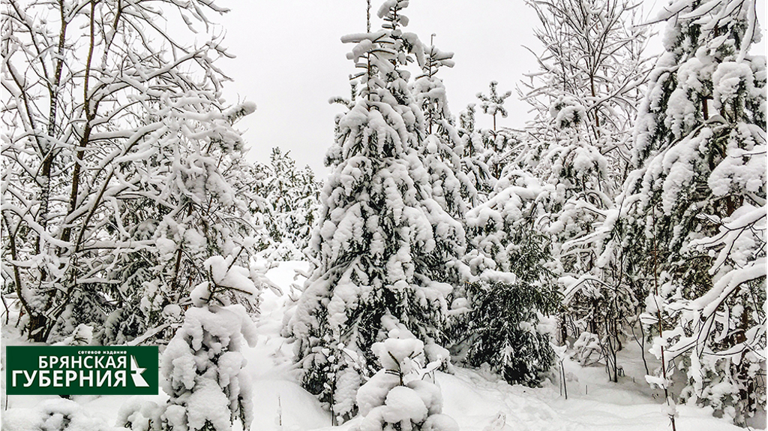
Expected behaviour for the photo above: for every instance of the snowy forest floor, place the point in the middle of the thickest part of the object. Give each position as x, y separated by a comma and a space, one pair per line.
478, 400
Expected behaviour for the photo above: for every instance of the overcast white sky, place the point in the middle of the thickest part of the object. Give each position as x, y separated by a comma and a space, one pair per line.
290, 61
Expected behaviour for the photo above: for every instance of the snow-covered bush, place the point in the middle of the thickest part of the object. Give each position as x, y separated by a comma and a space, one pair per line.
203, 368
138, 414
81, 336
203, 364
56, 414
588, 348
402, 395
601, 315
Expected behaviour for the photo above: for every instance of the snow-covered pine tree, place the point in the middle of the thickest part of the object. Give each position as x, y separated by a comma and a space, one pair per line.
381, 241
203, 364
116, 147
473, 158
694, 208
285, 201
401, 395
442, 147
514, 281
498, 142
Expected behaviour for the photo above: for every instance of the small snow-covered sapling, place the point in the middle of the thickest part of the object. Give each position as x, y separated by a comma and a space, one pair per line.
397, 396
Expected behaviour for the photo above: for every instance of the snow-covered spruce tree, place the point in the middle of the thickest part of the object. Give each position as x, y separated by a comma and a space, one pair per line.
116, 157
473, 158
493, 103
203, 364
286, 200
514, 281
694, 208
401, 395
497, 142
442, 147
382, 243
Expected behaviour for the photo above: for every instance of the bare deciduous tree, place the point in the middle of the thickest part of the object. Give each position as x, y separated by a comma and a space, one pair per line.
116, 144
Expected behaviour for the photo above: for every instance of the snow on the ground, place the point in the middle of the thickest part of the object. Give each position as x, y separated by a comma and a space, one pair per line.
279, 399
477, 399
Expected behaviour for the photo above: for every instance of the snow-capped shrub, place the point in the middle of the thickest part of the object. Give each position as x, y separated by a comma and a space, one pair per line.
56, 414
81, 336
567, 112
401, 395
203, 364
138, 414
203, 368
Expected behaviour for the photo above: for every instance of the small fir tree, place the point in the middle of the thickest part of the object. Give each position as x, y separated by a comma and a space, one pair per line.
473, 157
401, 395
203, 364
514, 281
498, 142
382, 243
442, 148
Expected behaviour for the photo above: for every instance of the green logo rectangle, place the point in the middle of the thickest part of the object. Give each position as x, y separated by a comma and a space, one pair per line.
81, 370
